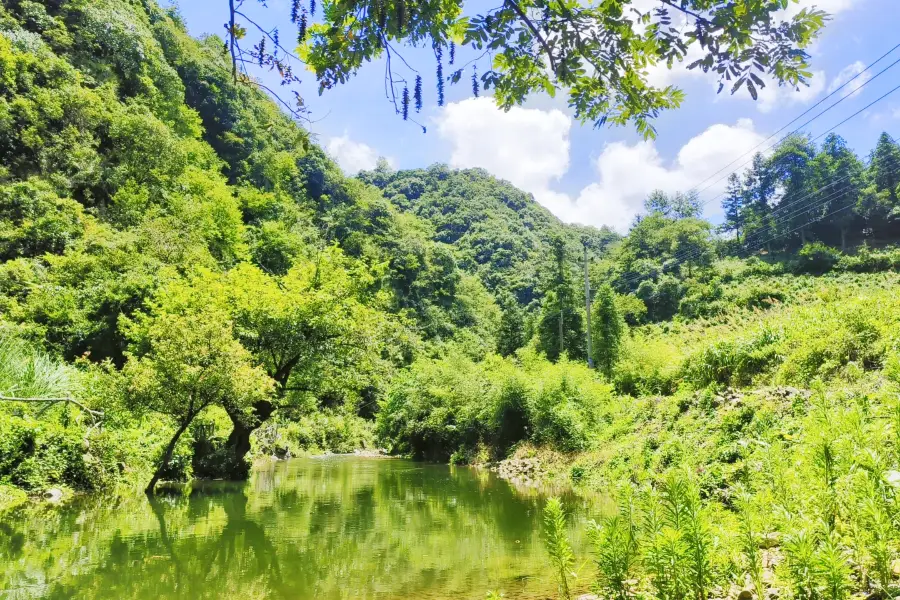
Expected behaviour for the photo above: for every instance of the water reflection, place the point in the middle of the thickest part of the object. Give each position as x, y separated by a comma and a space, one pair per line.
336, 528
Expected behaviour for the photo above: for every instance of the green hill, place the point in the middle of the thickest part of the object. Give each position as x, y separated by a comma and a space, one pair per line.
498, 231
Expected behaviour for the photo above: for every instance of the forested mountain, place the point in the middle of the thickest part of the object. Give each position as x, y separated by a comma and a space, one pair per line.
498, 231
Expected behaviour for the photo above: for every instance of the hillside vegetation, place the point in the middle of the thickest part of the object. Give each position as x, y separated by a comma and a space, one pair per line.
196, 267
188, 282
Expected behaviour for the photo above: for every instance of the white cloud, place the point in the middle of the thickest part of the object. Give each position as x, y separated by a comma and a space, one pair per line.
776, 96
848, 73
832, 7
783, 96
628, 173
527, 146
530, 148
660, 75
353, 157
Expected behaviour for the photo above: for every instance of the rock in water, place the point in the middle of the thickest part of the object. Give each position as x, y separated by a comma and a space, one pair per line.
53, 495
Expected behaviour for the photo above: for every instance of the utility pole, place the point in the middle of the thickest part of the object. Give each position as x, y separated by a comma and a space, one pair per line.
587, 303
562, 339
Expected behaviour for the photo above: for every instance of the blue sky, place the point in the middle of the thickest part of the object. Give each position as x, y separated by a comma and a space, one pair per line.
598, 176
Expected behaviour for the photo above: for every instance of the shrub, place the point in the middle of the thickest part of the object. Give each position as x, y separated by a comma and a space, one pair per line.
329, 431
451, 406
648, 366
758, 295
733, 362
815, 258
867, 260
829, 337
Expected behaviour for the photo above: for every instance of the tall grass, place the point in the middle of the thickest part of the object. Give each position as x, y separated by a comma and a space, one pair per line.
26, 373
616, 551
557, 543
750, 542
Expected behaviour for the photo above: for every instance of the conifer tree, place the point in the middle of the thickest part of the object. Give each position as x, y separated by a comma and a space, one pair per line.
608, 330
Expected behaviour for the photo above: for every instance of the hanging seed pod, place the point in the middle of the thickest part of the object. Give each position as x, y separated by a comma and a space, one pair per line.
401, 15
405, 101
439, 73
301, 28
295, 11
417, 93
474, 81
452, 52
312, 8
381, 7
262, 51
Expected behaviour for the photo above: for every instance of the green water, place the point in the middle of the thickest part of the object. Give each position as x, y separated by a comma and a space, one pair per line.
326, 528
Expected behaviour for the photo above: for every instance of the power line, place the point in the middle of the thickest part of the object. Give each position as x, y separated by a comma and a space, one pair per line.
806, 112
835, 182
798, 129
793, 211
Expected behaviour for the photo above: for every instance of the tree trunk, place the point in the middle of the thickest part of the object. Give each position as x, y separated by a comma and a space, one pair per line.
843, 239
167, 456
239, 440
562, 345
803, 236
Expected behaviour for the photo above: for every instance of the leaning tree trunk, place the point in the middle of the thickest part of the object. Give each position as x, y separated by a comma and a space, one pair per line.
238, 444
843, 239
167, 456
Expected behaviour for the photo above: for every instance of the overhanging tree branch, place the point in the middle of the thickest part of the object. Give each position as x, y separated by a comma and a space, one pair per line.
534, 30
686, 11
93, 414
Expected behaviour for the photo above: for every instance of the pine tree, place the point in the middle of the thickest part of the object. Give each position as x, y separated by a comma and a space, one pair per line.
733, 207
885, 166
759, 189
511, 334
799, 202
608, 330
880, 203
560, 328
838, 170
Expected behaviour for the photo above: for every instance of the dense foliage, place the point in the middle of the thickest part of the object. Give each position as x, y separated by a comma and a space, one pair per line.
598, 54
188, 282
171, 238
157, 216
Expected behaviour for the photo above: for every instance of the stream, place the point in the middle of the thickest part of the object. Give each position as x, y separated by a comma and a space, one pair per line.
329, 528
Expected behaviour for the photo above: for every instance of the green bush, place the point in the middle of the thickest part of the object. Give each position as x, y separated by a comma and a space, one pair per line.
815, 258
867, 260
453, 406
39, 453
330, 431
733, 362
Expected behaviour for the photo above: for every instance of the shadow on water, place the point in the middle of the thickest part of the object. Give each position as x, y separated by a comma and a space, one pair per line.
327, 529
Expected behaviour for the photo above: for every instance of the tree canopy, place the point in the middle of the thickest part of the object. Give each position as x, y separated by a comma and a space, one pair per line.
597, 53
